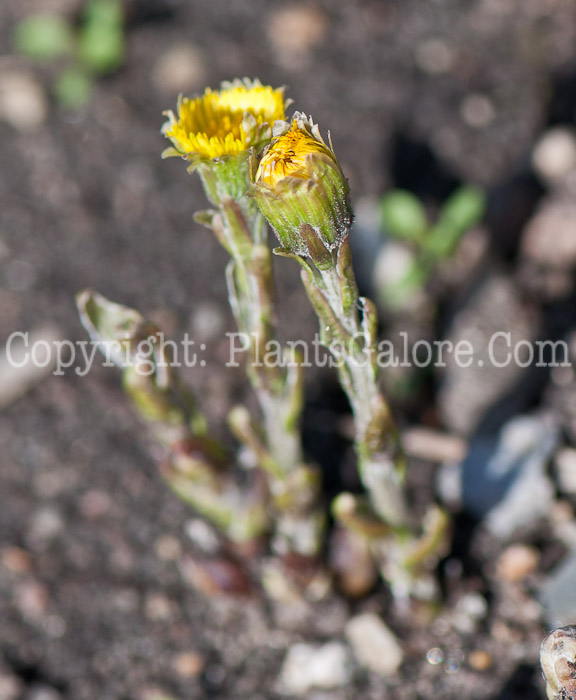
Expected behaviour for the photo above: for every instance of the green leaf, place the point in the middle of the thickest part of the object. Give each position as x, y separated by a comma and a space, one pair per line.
73, 88
102, 50
460, 212
108, 12
464, 208
101, 44
43, 37
403, 216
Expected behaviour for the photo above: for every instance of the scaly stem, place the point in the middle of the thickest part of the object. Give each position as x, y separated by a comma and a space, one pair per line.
347, 325
293, 485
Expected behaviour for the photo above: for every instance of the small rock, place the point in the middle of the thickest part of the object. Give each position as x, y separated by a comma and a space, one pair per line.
23, 103
504, 477
554, 156
27, 359
188, 664
392, 266
168, 548
42, 692
550, 236
182, 68
516, 562
294, 31
202, 535
469, 610
566, 470
374, 645
477, 111
32, 600
10, 686
306, 666
558, 595
46, 526
435, 57
16, 560
158, 607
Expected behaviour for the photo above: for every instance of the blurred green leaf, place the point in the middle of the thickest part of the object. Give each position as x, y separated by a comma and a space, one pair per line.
464, 208
43, 37
108, 12
461, 211
403, 216
101, 44
73, 88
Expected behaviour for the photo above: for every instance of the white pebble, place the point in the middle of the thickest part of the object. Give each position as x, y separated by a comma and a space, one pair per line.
307, 666
23, 103
554, 156
374, 645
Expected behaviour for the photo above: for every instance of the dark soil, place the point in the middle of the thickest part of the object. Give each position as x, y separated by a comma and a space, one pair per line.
93, 602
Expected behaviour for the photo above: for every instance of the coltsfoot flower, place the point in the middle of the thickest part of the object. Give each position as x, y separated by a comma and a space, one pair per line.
300, 188
224, 122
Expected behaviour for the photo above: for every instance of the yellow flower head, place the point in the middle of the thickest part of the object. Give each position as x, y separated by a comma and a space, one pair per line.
287, 156
226, 122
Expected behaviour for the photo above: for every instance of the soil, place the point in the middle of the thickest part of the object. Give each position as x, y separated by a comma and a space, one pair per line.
94, 604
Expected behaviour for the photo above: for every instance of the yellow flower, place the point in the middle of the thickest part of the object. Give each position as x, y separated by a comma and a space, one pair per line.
226, 122
287, 156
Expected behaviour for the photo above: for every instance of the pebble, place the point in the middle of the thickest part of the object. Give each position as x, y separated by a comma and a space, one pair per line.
158, 607
168, 548
23, 103
393, 264
182, 68
203, 535
516, 562
10, 686
550, 236
374, 645
32, 600
554, 156
477, 111
16, 560
47, 525
21, 368
435, 57
307, 666
42, 692
187, 664
294, 31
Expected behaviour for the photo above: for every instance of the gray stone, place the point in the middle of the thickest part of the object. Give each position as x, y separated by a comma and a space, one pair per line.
504, 477
374, 645
558, 595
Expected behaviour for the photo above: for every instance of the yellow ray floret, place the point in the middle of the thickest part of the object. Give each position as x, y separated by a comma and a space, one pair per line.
286, 157
212, 125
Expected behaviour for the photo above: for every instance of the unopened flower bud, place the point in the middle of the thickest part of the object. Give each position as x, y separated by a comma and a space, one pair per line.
300, 188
